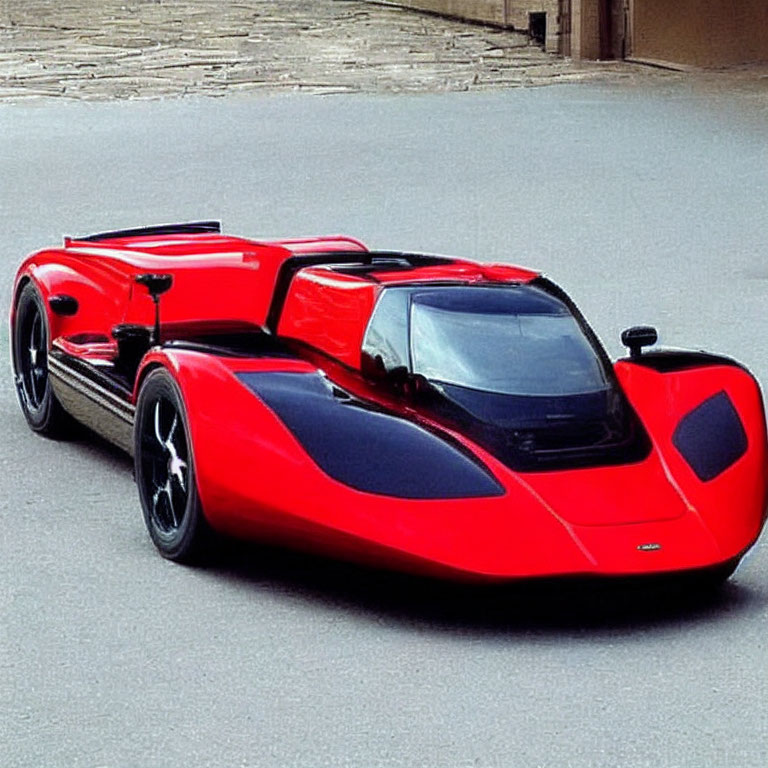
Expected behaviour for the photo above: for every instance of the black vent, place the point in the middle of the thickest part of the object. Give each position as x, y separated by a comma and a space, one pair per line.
711, 437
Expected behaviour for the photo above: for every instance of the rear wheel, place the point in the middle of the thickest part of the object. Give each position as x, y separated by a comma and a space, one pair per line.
165, 471
31, 338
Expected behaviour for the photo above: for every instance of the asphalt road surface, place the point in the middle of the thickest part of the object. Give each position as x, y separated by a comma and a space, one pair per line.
647, 205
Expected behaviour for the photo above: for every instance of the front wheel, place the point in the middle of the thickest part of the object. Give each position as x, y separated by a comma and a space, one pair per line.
165, 471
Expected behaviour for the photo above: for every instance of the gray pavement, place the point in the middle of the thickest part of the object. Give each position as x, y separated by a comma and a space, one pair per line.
647, 204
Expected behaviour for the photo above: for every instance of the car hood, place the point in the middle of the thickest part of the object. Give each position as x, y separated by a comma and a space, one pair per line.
612, 495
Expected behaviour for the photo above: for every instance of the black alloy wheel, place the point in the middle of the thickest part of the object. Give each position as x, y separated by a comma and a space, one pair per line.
164, 469
31, 338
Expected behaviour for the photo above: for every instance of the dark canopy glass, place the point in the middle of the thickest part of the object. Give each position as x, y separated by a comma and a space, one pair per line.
512, 340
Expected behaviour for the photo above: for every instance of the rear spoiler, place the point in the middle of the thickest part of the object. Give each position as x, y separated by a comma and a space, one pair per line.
188, 228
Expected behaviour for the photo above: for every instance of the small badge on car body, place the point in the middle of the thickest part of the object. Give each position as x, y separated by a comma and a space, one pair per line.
650, 547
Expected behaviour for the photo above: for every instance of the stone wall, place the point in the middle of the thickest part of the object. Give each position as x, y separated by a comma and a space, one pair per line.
488, 11
696, 32
585, 29
517, 12
503, 13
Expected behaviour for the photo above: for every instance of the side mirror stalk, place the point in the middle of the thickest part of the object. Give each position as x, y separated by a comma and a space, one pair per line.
157, 285
637, 337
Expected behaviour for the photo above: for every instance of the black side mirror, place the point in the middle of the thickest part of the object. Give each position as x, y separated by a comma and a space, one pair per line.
157, 285
154, 283
637, 337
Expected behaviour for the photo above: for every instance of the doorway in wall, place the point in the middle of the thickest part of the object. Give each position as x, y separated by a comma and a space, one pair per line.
564, 14
537, 27
606, 22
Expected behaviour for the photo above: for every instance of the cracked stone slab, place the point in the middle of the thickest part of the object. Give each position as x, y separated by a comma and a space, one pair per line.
106, 49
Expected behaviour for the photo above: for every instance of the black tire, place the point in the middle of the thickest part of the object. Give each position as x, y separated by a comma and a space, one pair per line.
165, 472
31, 339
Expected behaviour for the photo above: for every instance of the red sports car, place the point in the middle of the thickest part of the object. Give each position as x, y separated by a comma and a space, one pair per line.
418, 412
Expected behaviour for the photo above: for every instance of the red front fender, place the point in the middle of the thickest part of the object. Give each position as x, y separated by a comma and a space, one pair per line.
732, 504
256, 480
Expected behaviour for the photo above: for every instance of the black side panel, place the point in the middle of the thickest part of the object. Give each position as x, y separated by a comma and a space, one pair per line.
367, 449
100, 399
711, 437
189, 228
672, 360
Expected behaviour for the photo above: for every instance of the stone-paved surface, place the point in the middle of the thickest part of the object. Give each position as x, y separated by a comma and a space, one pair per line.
99, 49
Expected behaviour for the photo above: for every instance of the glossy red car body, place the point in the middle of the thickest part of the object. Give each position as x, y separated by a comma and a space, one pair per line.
257, 477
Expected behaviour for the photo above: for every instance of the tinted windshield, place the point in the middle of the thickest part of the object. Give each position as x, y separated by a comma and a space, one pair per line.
517, 341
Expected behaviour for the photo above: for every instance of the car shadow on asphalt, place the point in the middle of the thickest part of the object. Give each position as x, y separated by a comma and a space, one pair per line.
558, 606
97, 448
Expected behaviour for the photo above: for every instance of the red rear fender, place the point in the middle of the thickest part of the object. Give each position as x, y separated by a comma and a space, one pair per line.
101, 293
